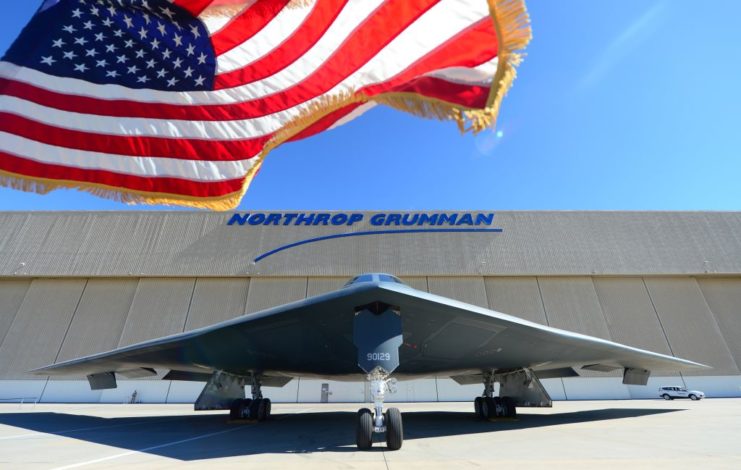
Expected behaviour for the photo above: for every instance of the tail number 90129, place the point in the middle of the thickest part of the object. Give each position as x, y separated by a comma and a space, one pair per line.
378, 356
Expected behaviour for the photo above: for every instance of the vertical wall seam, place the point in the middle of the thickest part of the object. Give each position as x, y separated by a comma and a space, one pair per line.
601, 308
542, 301
715, 322
661, 324
64, 338
190, 304
15, 314
128, 314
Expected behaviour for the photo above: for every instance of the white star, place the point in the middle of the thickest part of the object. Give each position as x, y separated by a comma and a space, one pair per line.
202, 58
111, 73
81, 68
191, 49
147, 18
188, 72
49, 60
143, 33
112, 10
118, 33
167, 53
76, 13
110, 48
161, 28
121, 59
129, 43
155, 44
128, 21
172, 81
95, 11
178, 40
177, 63
151, 63
70, 55
167, 12
81, 41
133, 69
107, 22
194, 30
58, 43
142, 79
200, 80
101, 63
161, 73
99, 37
87, 25
140, 54
70, 29
91, 53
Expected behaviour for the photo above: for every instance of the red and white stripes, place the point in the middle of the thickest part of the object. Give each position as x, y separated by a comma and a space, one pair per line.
285, 69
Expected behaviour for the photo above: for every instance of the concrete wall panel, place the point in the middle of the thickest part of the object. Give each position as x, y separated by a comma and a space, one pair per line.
12, 293
321, 285
159, 308
631, 318
689, 325
38, 329
270, 292
586, 388
518, 296
417, 282
70, 391
724, 298
99, 319
571, 303
216, 300
147, 391
465, 289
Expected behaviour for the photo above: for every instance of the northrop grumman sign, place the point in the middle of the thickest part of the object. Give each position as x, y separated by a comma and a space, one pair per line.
407, 219
382, 223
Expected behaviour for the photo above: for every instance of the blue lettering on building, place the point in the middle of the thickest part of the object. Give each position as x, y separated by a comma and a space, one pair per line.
381, 219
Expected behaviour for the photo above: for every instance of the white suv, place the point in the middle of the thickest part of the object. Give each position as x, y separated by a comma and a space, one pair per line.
670, 393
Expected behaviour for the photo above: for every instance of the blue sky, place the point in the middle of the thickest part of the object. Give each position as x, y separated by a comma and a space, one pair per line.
619, 105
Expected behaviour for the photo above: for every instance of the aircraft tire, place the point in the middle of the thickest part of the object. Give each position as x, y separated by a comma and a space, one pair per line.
364, 434
268, 408
509, 405
478, 408
394, 429
236, 409
499, 409
487, 408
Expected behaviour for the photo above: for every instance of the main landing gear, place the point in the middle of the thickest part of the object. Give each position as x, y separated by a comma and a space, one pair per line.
379, 422
256, 408
488, 406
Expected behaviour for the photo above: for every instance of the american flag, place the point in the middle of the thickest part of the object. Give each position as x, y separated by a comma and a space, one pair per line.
179, 101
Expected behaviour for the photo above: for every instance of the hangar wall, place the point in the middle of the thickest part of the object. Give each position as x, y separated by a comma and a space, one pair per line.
77, 283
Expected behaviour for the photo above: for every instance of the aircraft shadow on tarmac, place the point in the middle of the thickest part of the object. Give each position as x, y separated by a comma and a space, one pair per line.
210, 436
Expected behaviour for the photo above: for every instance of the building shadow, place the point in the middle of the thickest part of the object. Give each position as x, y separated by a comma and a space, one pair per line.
197, 437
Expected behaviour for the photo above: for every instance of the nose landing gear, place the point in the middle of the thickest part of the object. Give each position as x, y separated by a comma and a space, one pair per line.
378, 422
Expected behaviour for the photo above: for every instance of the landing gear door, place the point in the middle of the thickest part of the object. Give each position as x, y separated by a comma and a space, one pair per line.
377, 335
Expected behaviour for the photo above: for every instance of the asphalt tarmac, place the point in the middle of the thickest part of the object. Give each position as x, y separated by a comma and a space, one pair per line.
585, 434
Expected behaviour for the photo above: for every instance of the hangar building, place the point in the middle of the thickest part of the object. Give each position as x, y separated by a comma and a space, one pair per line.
78, 283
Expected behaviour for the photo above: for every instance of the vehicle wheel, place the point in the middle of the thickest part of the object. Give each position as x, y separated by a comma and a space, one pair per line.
364, 435
477, 407
666, 396
394, 429
693, 397
261, 409
499, 408
510, 407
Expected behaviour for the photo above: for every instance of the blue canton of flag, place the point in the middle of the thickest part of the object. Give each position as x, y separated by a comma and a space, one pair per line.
134, 43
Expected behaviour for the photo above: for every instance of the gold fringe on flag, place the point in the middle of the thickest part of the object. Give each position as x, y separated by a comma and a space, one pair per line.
512, 26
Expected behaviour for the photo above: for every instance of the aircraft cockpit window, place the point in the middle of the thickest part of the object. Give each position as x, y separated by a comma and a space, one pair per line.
387, 278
